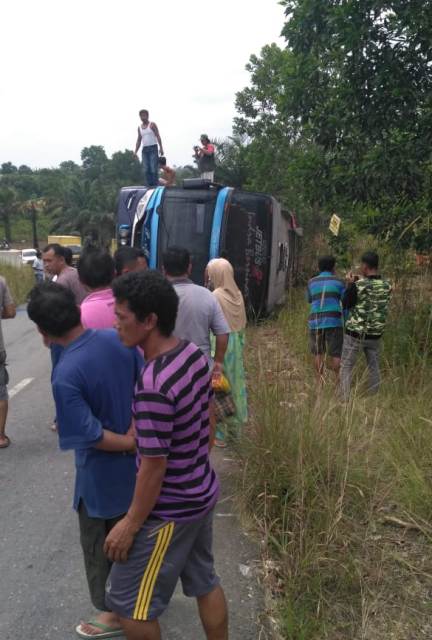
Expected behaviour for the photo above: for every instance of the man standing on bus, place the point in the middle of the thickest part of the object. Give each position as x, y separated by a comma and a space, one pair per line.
149, 139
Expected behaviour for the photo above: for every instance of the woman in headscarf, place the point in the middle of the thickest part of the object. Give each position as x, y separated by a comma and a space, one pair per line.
220, 277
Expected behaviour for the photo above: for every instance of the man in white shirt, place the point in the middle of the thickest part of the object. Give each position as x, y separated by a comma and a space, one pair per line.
149, 139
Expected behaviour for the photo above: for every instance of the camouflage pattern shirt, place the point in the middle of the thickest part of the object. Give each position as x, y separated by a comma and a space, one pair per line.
368, 311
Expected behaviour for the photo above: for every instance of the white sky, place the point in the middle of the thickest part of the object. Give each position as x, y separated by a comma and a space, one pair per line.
76, 73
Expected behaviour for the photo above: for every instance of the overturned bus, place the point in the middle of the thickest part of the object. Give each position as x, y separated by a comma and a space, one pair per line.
249, 229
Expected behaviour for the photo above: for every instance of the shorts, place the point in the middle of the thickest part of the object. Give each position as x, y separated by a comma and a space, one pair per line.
4, 377
329, 341
163, 552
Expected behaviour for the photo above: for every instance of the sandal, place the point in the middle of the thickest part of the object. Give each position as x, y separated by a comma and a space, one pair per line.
106, 631
6, 442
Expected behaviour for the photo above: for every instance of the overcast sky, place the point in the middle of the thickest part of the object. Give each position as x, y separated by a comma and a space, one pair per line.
76, 73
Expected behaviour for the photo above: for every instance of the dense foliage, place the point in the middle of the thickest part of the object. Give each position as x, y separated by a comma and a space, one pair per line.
340, 120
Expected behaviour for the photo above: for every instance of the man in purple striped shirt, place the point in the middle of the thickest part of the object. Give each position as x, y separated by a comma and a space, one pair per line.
166, 534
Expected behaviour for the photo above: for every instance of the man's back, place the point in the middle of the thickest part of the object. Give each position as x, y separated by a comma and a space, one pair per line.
69, 278
199, 313
97, 310
93, 385
325, 293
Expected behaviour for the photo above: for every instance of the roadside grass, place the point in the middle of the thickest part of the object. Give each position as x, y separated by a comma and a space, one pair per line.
20, 280
342, 495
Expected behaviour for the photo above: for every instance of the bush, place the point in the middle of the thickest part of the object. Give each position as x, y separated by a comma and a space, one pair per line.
20, 280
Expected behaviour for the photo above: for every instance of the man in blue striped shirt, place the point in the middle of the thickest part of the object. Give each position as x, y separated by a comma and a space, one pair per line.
325, 293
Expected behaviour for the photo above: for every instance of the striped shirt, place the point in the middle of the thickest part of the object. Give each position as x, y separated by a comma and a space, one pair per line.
171, 408
325, 294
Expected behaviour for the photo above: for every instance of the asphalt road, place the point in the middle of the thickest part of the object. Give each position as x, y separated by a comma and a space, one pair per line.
42, 584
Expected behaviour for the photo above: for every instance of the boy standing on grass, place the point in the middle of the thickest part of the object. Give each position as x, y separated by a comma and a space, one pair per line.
325, 293
166, 534
367, 298
7, 310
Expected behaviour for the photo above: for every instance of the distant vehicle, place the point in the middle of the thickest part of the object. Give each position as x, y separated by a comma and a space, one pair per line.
28, 256
251, 230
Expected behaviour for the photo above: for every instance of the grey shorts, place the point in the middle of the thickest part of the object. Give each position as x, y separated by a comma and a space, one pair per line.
163, 552
4, 376
329, 341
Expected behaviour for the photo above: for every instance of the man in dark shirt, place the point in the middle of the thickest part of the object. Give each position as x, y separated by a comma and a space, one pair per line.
92, 384
367, 299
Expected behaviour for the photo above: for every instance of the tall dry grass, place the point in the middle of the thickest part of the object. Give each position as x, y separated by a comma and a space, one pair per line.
20, 281
336, 490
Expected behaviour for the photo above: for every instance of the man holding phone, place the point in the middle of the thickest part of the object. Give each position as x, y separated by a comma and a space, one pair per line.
367, 299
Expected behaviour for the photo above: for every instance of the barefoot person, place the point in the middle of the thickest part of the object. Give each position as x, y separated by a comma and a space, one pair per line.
7, 308
325, 293
167, 174
166, 534
149, 139
93, 386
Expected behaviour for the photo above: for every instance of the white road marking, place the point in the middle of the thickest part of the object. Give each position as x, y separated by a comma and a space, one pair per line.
20, 386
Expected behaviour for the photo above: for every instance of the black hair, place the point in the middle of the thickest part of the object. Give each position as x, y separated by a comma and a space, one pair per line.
204, 136
144, 111
326, 263
38, 253
176, 261
68, 255
53, 309
59, 250
371, 259
162, 161
96, 268
148, 292
125, 256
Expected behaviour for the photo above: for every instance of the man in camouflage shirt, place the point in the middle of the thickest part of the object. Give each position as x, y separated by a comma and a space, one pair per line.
367, 300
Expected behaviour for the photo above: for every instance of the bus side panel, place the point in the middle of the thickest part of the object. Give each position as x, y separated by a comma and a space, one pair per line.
246, 242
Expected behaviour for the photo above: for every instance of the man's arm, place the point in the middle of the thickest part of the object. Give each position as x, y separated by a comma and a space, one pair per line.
157, 134
8, 306
78, 427
138, 142
116, 442
147, 489
349, 299
154, 432
9, 311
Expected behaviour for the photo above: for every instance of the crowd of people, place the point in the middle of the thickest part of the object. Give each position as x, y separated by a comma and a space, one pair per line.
138, 359
155, 168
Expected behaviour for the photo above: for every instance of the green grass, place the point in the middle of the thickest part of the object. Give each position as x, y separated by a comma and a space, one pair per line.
20, 281
326, 484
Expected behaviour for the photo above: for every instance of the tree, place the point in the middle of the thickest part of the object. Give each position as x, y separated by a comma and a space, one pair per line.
7, 168
346, 111
9, 204
94, 162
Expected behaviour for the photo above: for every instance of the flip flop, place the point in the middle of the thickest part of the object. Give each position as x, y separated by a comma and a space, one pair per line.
106, 632
5, 444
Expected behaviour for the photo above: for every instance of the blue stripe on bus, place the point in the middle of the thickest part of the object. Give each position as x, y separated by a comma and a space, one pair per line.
217, 222
154, 226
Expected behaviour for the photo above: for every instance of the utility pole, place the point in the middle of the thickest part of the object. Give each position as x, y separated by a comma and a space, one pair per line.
33, 214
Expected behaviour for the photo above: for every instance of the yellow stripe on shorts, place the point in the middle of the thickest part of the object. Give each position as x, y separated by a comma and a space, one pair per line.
152, 571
